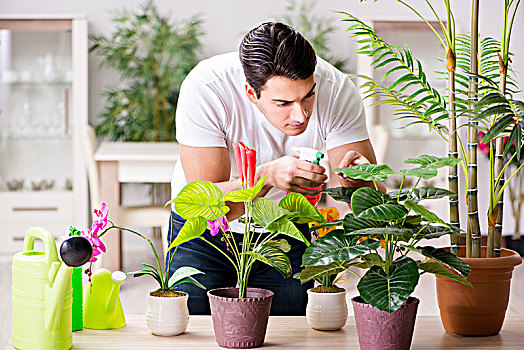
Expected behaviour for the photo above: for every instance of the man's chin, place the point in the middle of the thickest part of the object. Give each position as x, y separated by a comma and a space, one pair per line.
291, 131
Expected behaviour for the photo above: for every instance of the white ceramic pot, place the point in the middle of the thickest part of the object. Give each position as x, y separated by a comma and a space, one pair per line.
167, 316
326, 311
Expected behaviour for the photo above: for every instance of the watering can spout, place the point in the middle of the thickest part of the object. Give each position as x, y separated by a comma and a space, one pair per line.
54, 293
118, 278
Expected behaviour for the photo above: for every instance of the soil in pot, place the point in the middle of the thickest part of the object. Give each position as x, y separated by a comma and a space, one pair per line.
326, 308
167, 313
378, 330
240, 323
478, 311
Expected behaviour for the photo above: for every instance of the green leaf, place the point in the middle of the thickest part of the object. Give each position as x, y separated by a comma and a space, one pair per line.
494, 110
382, 231
498, 128
281, 244
152, 273
426, 192
432, 232
183, 273
369, 260
419, 209
437, 268
445, 257
315, 272
336, 246
274, 257
342, 194
387, 292
376, 205
245, 195
193, 228
433, 162
200, 198
266, 212
514, 137
284, 226
352, 223
367, 172
189, 280
297, 203
421, 172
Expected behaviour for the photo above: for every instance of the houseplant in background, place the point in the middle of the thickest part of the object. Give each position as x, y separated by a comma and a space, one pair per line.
167, 313
395, 223
480, 91
152, 55
240, 314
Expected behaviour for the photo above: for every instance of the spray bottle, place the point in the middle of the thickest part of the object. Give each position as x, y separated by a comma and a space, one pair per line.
313, 156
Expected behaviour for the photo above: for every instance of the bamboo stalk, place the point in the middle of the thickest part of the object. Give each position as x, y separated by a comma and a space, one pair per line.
452, 150
473, 227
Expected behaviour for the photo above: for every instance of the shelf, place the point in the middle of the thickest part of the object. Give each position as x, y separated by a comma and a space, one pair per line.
32, 84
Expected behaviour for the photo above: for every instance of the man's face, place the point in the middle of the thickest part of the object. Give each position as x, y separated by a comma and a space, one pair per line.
287, 104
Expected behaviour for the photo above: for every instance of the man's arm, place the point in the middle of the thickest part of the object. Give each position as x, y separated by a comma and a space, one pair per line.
353, 154
286, 173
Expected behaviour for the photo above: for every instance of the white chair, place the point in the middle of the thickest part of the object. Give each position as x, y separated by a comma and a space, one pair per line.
136, 216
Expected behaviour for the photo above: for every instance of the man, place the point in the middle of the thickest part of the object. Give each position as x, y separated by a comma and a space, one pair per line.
277, 95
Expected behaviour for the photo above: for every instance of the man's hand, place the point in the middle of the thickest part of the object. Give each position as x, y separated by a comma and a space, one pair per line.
351, 158
289, 174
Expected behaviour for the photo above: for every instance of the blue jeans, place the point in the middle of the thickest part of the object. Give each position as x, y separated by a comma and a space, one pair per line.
290, 296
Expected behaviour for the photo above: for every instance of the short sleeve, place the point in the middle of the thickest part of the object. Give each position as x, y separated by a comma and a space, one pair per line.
347, 122
201, 115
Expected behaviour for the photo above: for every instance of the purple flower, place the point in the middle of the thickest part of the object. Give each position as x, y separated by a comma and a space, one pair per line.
215, 225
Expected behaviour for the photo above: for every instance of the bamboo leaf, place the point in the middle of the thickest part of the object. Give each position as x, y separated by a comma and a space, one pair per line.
498, 128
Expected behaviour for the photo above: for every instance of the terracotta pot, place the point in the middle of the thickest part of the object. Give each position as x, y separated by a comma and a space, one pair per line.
326, 311
478, 311
378, 330
167, 316
240, 323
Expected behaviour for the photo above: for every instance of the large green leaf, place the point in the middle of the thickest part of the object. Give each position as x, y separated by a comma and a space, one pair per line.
434, 231
421, 193
315, 272
428, 215
422, 172
437, 268
265, 211
181, 274
376, 205
272, 256
244, 195
336, 246
297, 203
369, 260
342, 194
433, 162
200, 198
352, 223
284, 226
367, 172
376, 232
445, 257
193, 228
281, 244
499, 127
387, 292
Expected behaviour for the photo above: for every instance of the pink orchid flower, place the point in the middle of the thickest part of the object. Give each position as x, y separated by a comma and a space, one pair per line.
98, 225
215, 225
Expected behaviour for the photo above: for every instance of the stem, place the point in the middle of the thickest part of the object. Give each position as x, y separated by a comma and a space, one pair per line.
473, 227
224, 254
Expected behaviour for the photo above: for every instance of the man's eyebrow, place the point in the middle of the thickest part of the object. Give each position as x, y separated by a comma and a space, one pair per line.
286, 101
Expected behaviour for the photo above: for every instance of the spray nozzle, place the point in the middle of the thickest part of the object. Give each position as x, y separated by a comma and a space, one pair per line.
308, 154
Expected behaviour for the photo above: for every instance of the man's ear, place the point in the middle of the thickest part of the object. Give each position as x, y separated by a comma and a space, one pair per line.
251, 94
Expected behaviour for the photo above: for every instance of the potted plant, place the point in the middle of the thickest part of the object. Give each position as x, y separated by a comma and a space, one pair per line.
393, 223
480, 91
240, 314
153, 55
167, 313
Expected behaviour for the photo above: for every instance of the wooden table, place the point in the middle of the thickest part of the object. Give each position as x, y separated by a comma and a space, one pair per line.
291, 332
128, 162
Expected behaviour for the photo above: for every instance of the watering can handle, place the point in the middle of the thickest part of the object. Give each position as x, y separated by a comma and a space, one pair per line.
51, 254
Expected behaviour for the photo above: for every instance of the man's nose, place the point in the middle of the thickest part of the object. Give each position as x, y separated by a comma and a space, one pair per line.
299, 114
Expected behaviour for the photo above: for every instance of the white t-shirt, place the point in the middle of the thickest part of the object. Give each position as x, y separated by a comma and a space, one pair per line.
214, 111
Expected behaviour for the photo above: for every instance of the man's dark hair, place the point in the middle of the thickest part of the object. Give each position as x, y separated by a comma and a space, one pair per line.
275, 49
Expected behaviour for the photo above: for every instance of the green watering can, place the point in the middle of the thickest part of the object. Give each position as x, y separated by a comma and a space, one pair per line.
42, 291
